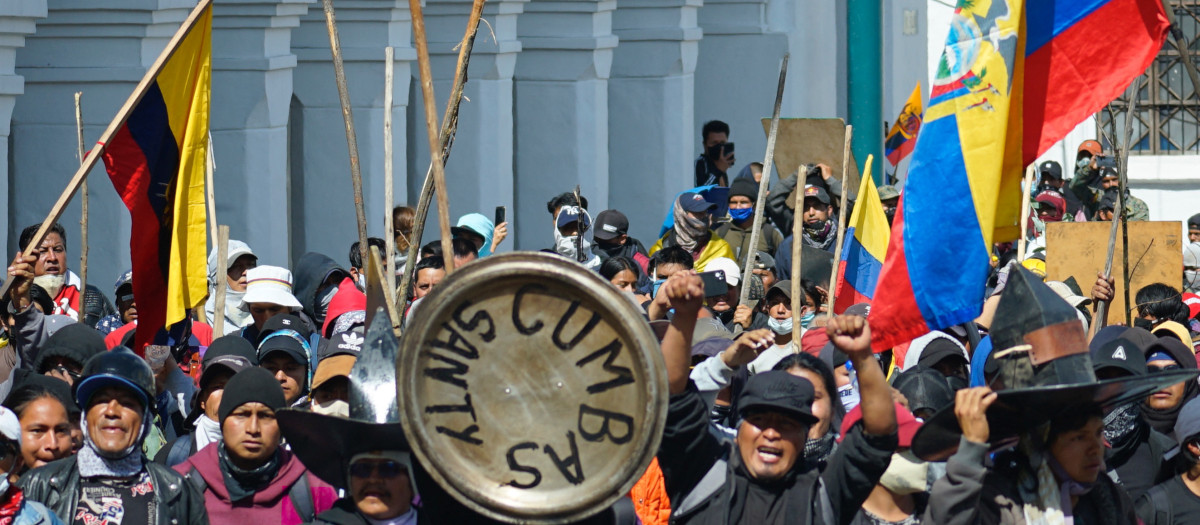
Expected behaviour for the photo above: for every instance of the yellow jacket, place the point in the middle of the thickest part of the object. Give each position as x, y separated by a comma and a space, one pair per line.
716, 247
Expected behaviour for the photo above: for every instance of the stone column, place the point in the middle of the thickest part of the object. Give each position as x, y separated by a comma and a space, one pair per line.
650, 105
479, 174
322, 198
251, 93
102, 51
737, 75
562, 109
17, 19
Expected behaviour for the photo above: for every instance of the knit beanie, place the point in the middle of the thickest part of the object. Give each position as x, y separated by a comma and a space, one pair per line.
252, 385
77, 342
744, 187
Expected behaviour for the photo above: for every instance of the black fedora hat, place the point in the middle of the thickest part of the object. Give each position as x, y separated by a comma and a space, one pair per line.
326, 443
1044, 371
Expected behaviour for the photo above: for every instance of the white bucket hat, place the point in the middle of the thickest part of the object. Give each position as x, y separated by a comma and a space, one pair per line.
269, 284
10, 428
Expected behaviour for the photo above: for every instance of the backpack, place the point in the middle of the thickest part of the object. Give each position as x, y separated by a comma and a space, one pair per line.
300, 494
1162, 505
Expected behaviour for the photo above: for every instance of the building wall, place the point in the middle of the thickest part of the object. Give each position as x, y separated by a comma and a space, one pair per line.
607, 94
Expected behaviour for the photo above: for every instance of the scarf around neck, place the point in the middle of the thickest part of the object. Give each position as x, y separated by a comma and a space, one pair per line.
820, 235
243, 483
818, 451
207, 431
13, 501
93, 465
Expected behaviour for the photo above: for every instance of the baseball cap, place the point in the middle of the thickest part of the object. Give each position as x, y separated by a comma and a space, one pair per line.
764, 261
1108, 202
284, 322
817, 192
1193, 303
1122, 354
733, 274
1069, 295
124, 279
940, 348
779, 391
1090, 147
1108, 171
569, 214
610, 224
906, 424
694, 202
925, 389
859, 309
333, 366
1193, 222
1050, 169
784, 287
887, 191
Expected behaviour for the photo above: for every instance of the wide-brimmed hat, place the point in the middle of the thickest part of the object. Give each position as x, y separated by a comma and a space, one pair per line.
269, 284
1043, 367
326, 443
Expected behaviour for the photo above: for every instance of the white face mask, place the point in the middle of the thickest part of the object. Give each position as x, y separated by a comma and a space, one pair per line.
905, 474
849, 396
334, 407
1191, 281
781, 327
51, 283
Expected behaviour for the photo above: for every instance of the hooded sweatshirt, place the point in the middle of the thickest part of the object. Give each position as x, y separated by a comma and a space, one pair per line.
481, 225
311, 271
235, 317
268, 506
1164, 420
918, 346
348, 299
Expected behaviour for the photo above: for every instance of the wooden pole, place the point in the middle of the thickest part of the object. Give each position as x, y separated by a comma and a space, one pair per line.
1025, 193
763, 185
1100, 320
93, 157
435, 154
339, 75
389, 201
797, 252
1122, 178
446, 140
837, 248
578, 227
83, 205
222, 284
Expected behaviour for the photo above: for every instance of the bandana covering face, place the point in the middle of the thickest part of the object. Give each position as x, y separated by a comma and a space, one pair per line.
689, 231
819, 235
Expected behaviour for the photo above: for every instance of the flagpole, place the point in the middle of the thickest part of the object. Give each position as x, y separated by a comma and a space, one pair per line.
1025, 194
797, 252
763, 184
389, 238
83, 206
222, 262
837, 248
93, 157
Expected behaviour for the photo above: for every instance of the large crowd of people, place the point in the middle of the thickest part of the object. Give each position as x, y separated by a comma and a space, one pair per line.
1029, 415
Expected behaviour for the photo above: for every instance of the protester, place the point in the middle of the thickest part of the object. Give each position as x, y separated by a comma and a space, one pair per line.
1177, 500
358, 269
817, 263
126, 307
692, 233
570, 237
555, 204
226, 356
235, 280
248, 475
331, 381
714, 162
822, 440
464, 251
14, 507
1052, 181
430, 271
900, 496
286, 352
1191, 267
743, 197
268, 293
1084, 186
346, 310
64, 354
402, 226
925, 390
778, 305
1162, 407
1158, 303
51, 273
890, 197
727, 307
764, 268
782, 199
621, 272
612, 239
765, 476
44, 409
317, 281
31, 325
478, 229
109, 477
941, 352
1193, 228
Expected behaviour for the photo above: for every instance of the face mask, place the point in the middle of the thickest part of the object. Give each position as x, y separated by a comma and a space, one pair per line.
781, 327
333, 407
323, 303
956, 383
1144, 324
807, 318
1121, 423
742, 214
361, 282
905, 474
1191, 280
52, 284
849, 397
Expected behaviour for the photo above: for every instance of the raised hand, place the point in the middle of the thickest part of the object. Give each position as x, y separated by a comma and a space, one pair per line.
747, 347
970, 407
851, 334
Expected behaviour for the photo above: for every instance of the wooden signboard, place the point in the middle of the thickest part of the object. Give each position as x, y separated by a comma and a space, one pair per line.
1079, 249
813, 141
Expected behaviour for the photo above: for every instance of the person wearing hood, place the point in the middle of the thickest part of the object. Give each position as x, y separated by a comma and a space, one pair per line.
692, 233
743, 197
15, 508
287, 352
1134, 457
481, 232
942, 352
51, 273
761, 476
1163, 406
358, 269
227, 356
268, 293
317, 281
67, 350
240, 259
1177, 499
109, 478
612, 239
570, 235
347, 308
248, 476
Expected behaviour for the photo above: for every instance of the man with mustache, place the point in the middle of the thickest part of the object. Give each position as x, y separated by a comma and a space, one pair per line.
109, 480
247, 476
51, 273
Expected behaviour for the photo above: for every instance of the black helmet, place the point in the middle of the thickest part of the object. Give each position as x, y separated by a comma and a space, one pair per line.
119, 367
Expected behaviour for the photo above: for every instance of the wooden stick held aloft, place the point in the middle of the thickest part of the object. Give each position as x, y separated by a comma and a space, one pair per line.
435, 157
389, 201
222, 280
83, 207
837, 249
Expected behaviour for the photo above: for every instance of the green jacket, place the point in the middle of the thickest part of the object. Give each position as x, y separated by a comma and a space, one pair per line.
1135, 208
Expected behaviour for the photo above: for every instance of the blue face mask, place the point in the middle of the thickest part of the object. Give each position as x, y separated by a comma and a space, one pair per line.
741, 214
807, 318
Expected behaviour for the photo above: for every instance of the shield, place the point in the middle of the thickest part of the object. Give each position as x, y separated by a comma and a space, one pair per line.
532, 390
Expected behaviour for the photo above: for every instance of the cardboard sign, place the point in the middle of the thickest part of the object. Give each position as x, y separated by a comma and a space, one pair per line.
532, 388
813, 141
1080, 250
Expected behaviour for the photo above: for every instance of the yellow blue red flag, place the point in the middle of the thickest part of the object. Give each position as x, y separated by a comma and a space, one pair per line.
902, 138
156, 162
864, 247
1013, 79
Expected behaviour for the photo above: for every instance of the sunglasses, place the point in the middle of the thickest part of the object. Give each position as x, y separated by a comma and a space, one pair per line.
1154, 369
385, 469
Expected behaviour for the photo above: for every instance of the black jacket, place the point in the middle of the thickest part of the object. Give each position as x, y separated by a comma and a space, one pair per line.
689, 451
57, 486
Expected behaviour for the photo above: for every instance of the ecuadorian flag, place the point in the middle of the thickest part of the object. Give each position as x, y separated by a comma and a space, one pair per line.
864, 248
900, 141
1012, 81
156, 162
